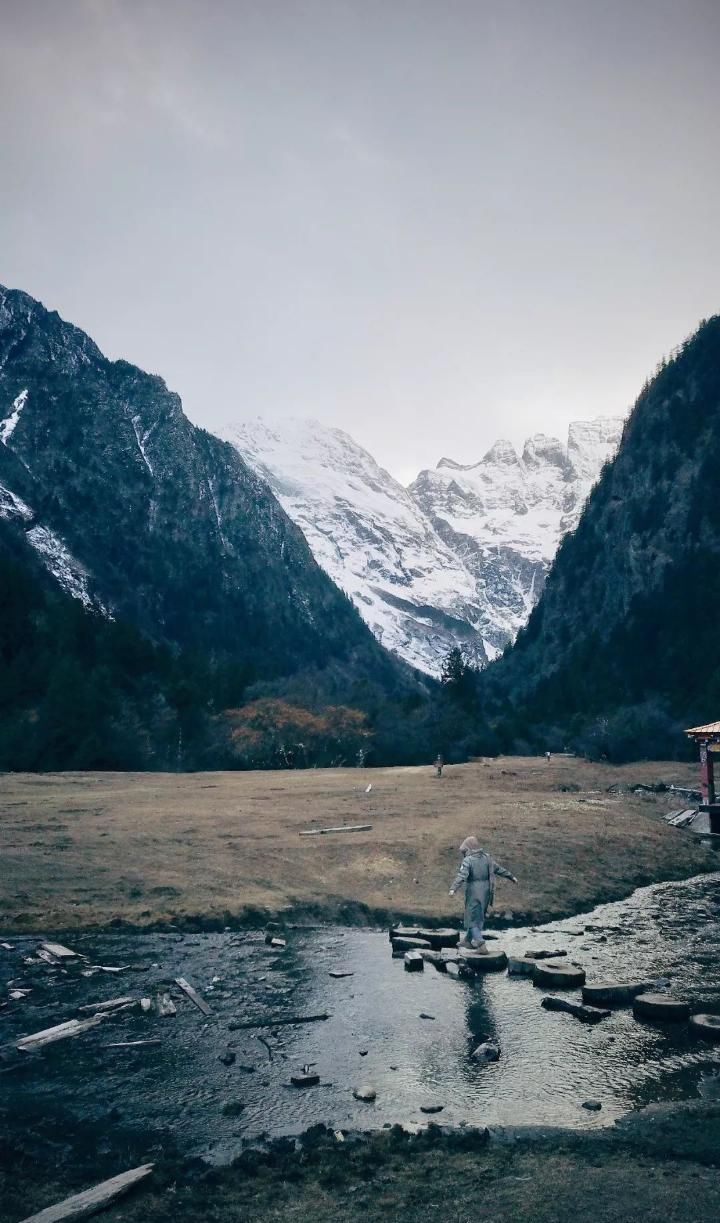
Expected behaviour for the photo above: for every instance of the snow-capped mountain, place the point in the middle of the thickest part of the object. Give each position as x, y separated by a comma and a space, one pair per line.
460, 557
505, 516
366, 531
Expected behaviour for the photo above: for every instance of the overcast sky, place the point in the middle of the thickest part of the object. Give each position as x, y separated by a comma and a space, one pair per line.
429, 222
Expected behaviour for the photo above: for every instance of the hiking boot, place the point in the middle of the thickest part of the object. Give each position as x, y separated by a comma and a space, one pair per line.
466, 942
480, 947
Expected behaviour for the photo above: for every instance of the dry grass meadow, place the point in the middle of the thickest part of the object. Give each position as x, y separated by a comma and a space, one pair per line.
82, 849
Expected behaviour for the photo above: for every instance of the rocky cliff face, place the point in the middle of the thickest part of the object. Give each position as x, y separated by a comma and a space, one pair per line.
458, 558
132, 508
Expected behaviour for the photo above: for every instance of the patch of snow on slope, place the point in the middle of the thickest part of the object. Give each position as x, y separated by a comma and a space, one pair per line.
7, 427
12, 506
141, 439
68, 572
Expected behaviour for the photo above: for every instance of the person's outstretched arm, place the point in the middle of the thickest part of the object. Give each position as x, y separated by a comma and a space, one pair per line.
461, 877
500, 870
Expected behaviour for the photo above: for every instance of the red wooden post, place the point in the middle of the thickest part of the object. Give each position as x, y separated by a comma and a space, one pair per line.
704, 772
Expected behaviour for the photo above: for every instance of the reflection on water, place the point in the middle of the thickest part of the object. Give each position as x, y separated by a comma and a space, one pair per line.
549, 1064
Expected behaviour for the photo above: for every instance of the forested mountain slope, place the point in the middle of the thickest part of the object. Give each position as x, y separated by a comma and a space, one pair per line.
132, 507
622, 648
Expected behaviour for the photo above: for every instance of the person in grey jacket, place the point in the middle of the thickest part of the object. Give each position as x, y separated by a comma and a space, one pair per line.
477, 872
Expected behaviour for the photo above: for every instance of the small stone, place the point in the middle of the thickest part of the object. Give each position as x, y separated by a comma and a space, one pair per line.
278, 942
227, 1058
365, 1093
413, 961
431, 1108
486, 1052
593, 1106
424, 1015
363, 1052
339, 972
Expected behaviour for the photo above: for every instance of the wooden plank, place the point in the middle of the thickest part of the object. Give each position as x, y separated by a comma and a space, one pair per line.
90, 1200
61, 1030
321, 832
193, 995
278, 1022
60, 952
111, 1005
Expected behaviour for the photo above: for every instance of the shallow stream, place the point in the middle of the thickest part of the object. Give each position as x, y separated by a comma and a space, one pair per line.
550, 1063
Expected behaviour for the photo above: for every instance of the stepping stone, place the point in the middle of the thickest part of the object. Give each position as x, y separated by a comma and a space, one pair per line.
593, 1106
586, 1014
494, 961
440, 938
431, 1108
435, 958
660, 1006
611, 993
707, 1026
544, 955
520, 968
366, 1093
401, 945
404, 932
305, 1080
558, 976
339, 972
413, 961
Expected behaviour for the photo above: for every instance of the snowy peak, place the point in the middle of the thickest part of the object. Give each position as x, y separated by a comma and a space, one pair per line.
368, 534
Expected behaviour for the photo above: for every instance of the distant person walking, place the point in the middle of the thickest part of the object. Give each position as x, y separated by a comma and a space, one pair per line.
477, 872
439, 765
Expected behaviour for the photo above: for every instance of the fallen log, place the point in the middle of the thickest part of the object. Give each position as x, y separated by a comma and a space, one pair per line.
90, 1200
321, 832
112, 1005
586, 1014
61, 1030
278, 1022
193, 995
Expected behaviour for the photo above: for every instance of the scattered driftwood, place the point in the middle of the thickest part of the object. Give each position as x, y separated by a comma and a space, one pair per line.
90, 1200
193, 995
59, 952
62, 1030
277, 1022
320, 832
113, 1004
166, 1006
131, 1044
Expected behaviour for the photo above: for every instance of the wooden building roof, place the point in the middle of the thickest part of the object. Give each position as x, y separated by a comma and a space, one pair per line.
711, 731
